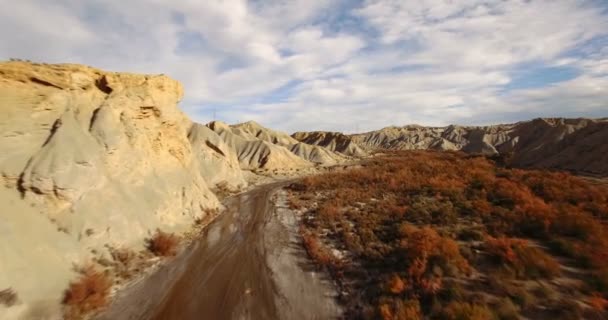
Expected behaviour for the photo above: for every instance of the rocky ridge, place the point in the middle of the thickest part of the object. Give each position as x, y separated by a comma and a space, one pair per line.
579, 145
334, 141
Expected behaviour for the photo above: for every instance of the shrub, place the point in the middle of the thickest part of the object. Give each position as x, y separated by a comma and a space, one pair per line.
397, 214
163, 244
525, 261
316, 250
597, 302
8, 297
422, 245
398, 309
506, 310
396, 285
466, 311
88, 293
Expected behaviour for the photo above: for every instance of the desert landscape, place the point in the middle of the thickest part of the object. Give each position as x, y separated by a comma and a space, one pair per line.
304, 160
108, 185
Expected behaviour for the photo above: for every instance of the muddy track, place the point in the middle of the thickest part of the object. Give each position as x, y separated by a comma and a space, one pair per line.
248, 264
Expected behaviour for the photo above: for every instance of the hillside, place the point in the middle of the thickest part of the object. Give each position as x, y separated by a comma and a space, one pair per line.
578, 145
334, 141
572, 144
94, 162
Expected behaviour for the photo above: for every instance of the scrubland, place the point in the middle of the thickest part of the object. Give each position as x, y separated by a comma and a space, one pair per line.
444, 235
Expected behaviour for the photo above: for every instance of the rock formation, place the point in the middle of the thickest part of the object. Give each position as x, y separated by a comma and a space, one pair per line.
334, 141
579, 145
259, 147
92, 158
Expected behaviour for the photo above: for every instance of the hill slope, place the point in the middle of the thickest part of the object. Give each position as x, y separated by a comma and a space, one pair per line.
573, 144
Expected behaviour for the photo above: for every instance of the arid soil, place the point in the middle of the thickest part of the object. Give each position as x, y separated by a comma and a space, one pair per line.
248, 264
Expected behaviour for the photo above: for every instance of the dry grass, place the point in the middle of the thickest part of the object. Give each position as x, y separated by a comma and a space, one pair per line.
87, 294
163, 244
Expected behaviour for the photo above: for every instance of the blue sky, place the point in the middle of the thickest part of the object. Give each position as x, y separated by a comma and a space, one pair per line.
337, 65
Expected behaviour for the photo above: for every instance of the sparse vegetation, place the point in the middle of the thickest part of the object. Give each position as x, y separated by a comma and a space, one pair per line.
163, 244
457, 235
87, 294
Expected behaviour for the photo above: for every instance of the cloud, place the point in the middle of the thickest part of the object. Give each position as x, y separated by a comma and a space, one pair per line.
337, 65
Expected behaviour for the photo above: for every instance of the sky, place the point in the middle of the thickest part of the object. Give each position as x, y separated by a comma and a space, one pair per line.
342, 65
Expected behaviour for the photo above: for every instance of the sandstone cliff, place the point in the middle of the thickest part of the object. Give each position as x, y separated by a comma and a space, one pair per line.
93, 159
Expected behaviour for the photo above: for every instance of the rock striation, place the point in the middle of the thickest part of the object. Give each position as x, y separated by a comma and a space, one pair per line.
334, 141
258, 147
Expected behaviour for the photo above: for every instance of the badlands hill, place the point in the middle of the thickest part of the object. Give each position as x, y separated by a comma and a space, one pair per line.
93, 160
579, 145
334, 141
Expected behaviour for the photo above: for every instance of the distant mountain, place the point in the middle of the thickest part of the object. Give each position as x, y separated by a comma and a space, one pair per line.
572, 144
579, 145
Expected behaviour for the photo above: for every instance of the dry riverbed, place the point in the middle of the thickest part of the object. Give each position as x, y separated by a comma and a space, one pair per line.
247, 264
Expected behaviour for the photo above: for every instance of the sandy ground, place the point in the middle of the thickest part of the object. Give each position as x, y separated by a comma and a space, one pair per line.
248, 264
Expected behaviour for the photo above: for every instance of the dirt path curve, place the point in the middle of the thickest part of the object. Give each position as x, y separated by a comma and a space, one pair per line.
247, 265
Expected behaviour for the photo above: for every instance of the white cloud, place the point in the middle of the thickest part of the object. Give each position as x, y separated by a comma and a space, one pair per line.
296, 65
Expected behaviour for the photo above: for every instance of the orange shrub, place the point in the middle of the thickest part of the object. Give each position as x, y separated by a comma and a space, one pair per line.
526, 261
400, 310
396, 285
422, 244
316, 250
466, 311
163, 244
397, 214
597, 302
88, 293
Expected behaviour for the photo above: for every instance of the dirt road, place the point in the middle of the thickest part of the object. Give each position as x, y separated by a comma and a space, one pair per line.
247, 265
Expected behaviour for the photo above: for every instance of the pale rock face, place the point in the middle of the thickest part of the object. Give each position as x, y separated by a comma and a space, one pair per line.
252, 130
218, 161
254, 153
91, 158
334, 141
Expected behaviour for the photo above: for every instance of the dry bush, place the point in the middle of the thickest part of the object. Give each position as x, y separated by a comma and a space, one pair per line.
524, 260
398, 309
316, 250
163, 244
435, 194
597, 302
8, 297
88, 293
396, 284
466, 311
424, 244
506, 310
